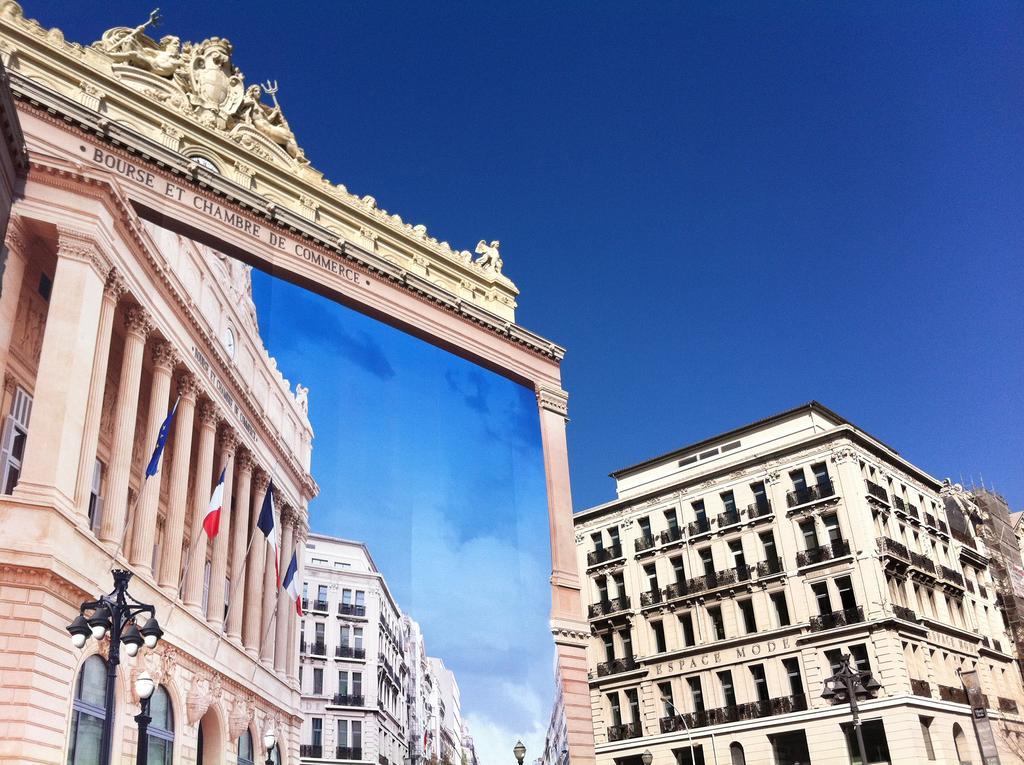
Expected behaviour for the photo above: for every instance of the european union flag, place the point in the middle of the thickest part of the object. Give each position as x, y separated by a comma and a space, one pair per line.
161, 439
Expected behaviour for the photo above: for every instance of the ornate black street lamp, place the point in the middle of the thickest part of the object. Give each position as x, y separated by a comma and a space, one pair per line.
849, 684
519, 751
269, 742
144, 687
115, 615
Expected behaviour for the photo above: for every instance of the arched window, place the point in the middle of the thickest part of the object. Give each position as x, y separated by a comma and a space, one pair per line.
161, 729
245, 753
736, 753
88, 711
963, 754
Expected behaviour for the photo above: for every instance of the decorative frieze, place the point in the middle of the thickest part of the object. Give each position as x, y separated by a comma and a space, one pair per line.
553, 400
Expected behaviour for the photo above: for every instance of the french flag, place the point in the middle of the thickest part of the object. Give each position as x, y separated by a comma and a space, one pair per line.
291, 583
265, 523
211, 523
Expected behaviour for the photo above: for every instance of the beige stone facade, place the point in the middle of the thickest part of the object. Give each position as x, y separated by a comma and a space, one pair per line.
728, 577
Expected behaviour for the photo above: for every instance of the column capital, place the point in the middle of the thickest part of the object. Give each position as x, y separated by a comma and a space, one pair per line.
16, 239
287, 512
188, 386
115, 285
79, 245
260, 481
164, 355
138, 321
553, 399
208, 414
244, 461
227, 440
10, 382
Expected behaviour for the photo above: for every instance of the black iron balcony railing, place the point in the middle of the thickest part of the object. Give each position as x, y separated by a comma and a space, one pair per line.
675, 590
950, 693
929, 519
348, 609
876, 491
952, 576
673, 534
1007, 705
347, 700
728, 518
759, 509
650, 597
750, 711
606, 607
348, 652
893, 548
922, 562
623, 732
348, 753
810, 493
317, 648
902, 612
699, 526
318, 605
716, 579
604, 554
770, 567
646, 542
837, 619
920, 687
899, 504
615, 666
837, 548
316, 751
913, 512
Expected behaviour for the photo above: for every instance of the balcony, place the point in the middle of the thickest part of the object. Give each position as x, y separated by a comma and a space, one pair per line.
902, 612
347, 609
646, 542
348, 753
607, 607
922, 563
913, 512
728, 518
770, 567
673, 534
623, 732
316, 751
810, 494
616, 666
346, 700
604, 555
920, 688
759, 509
314, 605
929, 520
893, 549
834, 549
650, 598
348, 652
837, 619
1007, 705
711, 581
698, 527
949, 693
318, 648
899, 504
753, 710
876, 491
952, 576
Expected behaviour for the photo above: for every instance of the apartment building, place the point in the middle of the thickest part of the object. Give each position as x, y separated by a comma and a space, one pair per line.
728, 579
353, 675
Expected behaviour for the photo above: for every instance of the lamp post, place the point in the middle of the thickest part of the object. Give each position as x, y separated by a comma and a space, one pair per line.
269, 742
689, 736
115, 615
849, 684
519, 751
647, 758
144, 687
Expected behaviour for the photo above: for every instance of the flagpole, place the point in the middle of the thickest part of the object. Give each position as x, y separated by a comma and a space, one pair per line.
127, 522
188, 560
266, 634
234, 586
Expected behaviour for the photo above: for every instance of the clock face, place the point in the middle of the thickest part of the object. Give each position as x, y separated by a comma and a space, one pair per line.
229, 342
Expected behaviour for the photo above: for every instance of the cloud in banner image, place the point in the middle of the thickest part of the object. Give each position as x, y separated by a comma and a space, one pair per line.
435, 464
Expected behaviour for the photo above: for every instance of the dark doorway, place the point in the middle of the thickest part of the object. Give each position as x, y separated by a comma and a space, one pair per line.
790, 748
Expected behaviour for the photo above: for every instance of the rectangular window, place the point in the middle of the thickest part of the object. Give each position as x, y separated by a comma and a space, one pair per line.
613, 702
845, 588
809, 533
598, 541
357, 683
781, 608
717, 624
831, 522
626, 637
318, 731
318, 681
620, 584
728, 691
859, 655
634, 705
609, 646
747, 612
834, 657
696, 694
820, 474
319, 628
729, 502
321, 593
613, 534
677, 569
760, 496
343, 638
645, 527
343, 683
699, 512
651, 572
686, 620
875, 745
671, 521
15, 435
96, 497
821, 596
602, 588
739, 560
658, 629
357, 734
665, 692
357, 633
343, 734
760, 682
707, 561
360, 599
796, 683
346, 599
799, 482
768, 545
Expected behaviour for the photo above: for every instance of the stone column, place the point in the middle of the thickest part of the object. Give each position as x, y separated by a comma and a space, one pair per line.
16, 243
568, 620
254, 571
300, 534
144, 527
115, 511
69, 346
200, 501
112, 291
270, 588
177, 493
284, 606
219, 560
239, 540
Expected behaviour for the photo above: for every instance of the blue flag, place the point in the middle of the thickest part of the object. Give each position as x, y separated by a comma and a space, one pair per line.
161, 439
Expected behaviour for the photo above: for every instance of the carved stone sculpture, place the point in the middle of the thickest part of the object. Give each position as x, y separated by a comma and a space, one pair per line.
489, 258
132, 46
269, 122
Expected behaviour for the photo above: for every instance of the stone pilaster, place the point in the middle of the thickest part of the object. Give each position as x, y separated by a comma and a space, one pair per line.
239, 537
200, 501
177, 493
16, 243
219, 560
254, 570
284, 606
271, 585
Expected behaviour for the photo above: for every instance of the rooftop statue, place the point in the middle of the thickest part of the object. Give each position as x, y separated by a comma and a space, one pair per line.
489, 258
131, 46
270, 122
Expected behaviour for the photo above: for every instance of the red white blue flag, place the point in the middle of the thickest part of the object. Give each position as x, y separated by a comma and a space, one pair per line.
267, 525
291, 583
211, 523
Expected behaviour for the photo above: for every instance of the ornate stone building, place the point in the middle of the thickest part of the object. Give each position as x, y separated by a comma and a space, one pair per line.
729, 577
